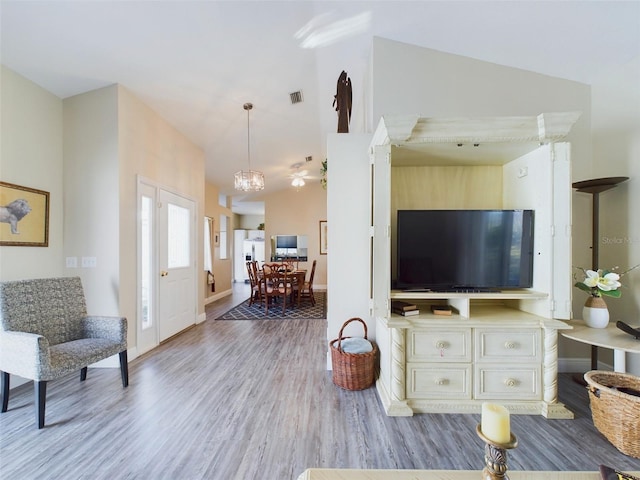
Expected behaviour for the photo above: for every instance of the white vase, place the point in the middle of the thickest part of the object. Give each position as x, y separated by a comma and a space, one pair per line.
595, 313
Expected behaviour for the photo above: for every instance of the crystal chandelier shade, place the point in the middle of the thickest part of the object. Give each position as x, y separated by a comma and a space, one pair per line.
249, 180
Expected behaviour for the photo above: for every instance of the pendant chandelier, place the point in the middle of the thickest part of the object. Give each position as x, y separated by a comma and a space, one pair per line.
249, 180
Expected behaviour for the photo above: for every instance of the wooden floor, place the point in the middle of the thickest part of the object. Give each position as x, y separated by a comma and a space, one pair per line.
252, 400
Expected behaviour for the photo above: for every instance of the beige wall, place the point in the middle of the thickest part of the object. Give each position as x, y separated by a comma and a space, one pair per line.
616, 152
299, 213
91, 197
111, 140
222, 269
31, 156
249, 222
152, 148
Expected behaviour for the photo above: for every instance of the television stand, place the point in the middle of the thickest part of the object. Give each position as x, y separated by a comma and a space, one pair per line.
467, 290
488, 349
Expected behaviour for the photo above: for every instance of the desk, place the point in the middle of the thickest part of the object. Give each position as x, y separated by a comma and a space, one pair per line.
338, 474
611, 337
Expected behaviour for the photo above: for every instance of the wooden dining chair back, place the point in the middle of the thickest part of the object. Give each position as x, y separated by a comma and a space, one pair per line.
256, 290
307, 286
290, 264
276, 284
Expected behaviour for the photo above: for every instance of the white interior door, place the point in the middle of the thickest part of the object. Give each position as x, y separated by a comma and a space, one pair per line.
176, 263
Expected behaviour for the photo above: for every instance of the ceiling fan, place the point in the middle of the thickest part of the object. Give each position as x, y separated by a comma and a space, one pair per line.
298, 177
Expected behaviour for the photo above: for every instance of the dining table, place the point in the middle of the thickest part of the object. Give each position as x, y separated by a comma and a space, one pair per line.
296, 275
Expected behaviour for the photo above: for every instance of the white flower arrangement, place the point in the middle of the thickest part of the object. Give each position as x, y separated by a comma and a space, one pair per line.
602, 282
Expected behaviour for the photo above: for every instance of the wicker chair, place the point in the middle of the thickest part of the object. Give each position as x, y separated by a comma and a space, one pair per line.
45, 334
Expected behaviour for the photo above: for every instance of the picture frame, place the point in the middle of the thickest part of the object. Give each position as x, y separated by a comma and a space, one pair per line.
323, 237
24, 216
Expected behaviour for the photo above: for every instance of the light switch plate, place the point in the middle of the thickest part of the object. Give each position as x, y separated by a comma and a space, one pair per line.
89, 262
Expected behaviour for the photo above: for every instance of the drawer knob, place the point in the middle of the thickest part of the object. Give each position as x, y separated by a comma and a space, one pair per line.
511, 382
441, 381
441, 344
510, 345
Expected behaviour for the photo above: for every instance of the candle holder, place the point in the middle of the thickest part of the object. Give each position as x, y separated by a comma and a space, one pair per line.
495, 456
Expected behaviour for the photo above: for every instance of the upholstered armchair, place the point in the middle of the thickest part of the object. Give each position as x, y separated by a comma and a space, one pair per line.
45, 334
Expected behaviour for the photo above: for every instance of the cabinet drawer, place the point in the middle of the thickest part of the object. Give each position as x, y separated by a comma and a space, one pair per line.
438, 381
507, 345
439, 345
512, 383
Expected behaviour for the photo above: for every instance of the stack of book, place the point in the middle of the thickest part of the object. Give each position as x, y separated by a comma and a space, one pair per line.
404, 308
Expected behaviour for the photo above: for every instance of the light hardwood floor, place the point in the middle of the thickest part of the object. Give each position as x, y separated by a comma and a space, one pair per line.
252, 400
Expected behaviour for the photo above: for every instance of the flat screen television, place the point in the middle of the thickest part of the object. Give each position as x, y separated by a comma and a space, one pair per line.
464, 250
286, 241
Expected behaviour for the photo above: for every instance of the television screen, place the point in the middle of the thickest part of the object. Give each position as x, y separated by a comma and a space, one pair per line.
286, 241
461, 250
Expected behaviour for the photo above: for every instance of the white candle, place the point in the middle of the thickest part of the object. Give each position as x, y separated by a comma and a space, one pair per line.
495, 423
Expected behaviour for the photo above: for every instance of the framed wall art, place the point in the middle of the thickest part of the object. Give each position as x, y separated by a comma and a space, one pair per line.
24, 216
323, 237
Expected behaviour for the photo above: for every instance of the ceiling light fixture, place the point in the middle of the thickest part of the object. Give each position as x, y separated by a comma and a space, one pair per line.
298, 177
249, 180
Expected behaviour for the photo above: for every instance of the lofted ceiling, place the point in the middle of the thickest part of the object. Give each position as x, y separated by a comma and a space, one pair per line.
197, 62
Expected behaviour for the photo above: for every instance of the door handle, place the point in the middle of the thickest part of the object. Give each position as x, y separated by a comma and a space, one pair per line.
164, 273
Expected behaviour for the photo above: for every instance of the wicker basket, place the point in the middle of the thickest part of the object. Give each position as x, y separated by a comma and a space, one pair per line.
352, 371
616, 414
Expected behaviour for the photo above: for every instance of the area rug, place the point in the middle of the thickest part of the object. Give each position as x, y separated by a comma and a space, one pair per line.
256, 311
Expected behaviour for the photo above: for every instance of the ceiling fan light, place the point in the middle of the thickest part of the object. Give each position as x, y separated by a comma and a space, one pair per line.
297, 182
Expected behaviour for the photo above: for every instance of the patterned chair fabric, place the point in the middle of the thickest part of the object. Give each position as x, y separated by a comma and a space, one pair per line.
45, 333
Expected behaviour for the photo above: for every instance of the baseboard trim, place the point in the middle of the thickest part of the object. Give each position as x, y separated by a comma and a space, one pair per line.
217, 296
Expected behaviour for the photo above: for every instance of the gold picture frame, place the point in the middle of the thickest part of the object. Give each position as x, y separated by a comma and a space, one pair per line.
24, 216
323, 237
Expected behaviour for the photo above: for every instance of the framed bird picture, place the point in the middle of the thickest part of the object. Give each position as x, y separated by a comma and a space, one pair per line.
24, 216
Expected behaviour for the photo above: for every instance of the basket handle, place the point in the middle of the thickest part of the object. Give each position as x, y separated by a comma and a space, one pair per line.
354, 319
594, 390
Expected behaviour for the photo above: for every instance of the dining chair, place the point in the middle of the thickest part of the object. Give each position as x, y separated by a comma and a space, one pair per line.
306, 289
275, 284
290, 264
256, 288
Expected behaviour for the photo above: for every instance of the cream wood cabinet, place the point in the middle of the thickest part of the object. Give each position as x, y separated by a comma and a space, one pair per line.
497, 346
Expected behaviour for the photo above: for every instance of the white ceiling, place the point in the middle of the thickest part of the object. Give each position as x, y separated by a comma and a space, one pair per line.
197, 62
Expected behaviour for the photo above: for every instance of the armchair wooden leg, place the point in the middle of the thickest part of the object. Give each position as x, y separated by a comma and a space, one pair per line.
124, 368
4, 385
83, 374
40, 390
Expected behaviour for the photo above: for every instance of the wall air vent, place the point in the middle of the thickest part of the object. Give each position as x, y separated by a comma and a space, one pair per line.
296, 97
308, 159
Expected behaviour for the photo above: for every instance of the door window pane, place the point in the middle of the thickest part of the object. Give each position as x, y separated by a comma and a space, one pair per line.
178, 241
146, 254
